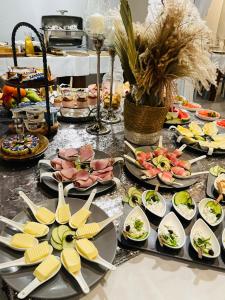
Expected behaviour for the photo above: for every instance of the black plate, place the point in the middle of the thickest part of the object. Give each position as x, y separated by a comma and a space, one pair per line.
62, 285
197, 148
186, 254
168, 124
136, 172
101, 188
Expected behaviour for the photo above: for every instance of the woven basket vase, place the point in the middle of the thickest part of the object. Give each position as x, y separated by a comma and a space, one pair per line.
143, 123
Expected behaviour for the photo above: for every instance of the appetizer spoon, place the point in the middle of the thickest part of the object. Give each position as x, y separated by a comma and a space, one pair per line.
98, 260
22, 262
61, 202
47, 163
189, 176
35, 284
87, 204
7, 242
133, 161
51, 175
33, 207
103, 224
133, 150
78, 277
19, 226
192, 161
167, 182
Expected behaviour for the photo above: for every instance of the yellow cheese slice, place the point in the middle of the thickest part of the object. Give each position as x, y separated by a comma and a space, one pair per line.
22, 241
35, 228
71, 260
47, 268
87, 249
64, 213
80, 217
45, 216
88, 230
37, 253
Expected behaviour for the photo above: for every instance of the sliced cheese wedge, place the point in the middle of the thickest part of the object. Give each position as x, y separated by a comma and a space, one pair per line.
23, 240
64, 213
37, 253
45, 215
88, 230
87, 249
71, 260
35, 229
79, 218
47, 268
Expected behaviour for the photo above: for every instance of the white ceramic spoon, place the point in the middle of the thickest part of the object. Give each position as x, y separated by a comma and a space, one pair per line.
19, 226
61, 202
78, 277
133, 161
98, 260
191, 175
22, 262
46, 162
194, 160
7, 242
33, 207
169, 182
86, 205
35, 284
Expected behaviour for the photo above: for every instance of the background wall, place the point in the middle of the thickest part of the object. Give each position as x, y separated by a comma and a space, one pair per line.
14, 11
213, 17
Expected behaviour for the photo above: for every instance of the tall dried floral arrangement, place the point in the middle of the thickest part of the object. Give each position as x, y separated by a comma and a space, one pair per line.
154, 55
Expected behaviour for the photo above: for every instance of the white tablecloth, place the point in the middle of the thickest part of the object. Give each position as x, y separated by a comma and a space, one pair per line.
62, 66
219, 61
149, 277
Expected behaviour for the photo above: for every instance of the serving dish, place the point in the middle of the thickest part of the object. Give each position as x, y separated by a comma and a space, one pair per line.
63, 285
186, 254
101, 188
42, 147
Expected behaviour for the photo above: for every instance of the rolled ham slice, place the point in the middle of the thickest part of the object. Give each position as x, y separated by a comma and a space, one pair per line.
82, 175
85, 183
101, 164
58, 164
86, 153
66, 174
68, 154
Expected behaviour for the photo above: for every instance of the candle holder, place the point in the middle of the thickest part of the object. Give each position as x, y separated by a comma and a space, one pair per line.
98, 128
111, 117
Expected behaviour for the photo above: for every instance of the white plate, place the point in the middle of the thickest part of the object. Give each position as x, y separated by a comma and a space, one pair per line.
207, 118
203, 228
191, 109
201, 206
181, 213
138, 212
172, 220
163, 210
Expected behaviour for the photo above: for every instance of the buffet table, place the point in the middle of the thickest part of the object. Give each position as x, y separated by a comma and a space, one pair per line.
62, 66
145, 270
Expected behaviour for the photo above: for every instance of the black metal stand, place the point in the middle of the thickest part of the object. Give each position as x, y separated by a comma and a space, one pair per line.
111, 117
98, 128
45, 66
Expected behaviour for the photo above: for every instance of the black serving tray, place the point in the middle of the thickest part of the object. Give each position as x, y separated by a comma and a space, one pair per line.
186, 254
210, 190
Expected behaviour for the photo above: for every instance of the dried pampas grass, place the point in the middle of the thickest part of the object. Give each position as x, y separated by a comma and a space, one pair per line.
154, 55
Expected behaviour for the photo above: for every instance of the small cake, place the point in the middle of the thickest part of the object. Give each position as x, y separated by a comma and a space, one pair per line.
16, 146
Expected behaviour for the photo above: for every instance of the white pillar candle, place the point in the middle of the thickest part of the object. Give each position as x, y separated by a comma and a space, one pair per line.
96, 24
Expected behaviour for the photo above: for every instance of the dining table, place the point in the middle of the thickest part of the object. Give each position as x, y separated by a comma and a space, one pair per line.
139, 275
